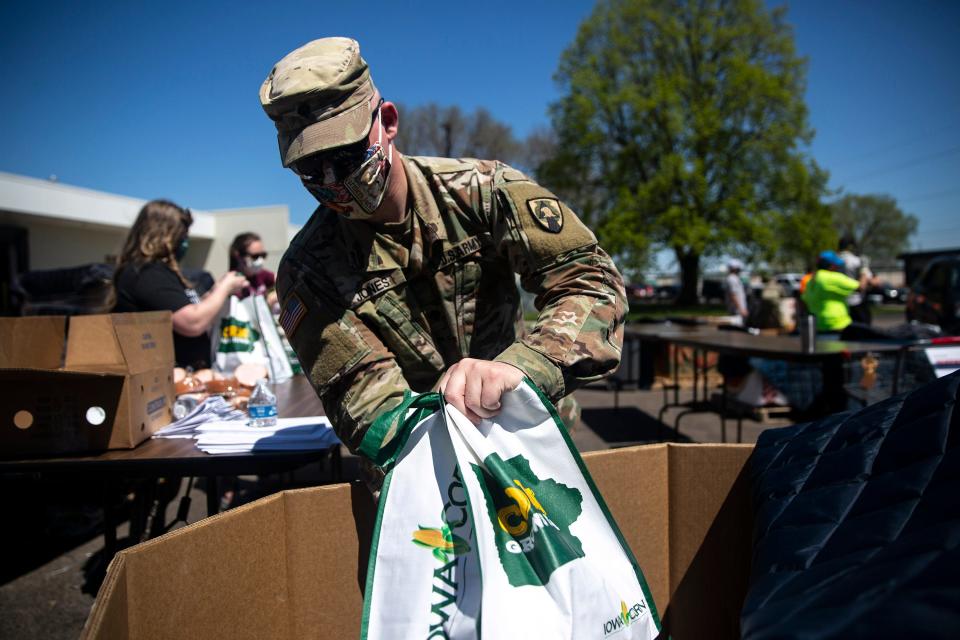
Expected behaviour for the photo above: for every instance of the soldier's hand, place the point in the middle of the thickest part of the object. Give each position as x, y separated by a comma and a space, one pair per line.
474, 386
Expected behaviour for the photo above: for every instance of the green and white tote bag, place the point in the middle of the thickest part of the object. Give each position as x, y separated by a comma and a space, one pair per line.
495, 530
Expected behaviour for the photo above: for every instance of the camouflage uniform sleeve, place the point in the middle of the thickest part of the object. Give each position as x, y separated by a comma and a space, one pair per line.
580, 297
354, 374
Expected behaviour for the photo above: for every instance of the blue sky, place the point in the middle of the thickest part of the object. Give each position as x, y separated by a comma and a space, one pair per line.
151, 100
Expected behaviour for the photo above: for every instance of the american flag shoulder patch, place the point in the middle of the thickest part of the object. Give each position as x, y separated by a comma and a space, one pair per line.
292, 313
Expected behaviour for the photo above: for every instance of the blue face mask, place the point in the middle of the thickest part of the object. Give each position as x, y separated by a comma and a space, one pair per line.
181, 249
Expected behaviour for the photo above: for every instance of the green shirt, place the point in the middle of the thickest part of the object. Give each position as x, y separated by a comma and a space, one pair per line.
826, 298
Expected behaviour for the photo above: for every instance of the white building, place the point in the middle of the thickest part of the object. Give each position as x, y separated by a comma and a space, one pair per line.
65, 226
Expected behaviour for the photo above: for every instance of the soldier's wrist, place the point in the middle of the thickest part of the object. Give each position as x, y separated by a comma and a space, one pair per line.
536, 366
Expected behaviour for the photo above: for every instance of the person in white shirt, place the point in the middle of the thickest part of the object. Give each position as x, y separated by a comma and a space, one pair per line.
856, 267
735, 296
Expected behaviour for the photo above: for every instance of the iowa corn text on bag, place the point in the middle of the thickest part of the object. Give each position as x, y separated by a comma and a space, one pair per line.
494, 530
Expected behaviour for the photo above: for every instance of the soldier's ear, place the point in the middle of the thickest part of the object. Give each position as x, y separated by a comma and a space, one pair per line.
390, 118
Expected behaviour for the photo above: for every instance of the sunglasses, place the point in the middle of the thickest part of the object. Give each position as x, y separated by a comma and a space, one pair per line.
257, 256
342, 160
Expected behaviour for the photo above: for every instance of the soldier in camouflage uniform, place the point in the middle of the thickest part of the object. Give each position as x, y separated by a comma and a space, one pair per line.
403, 278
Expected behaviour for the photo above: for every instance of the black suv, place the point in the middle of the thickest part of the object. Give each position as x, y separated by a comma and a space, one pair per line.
935, 296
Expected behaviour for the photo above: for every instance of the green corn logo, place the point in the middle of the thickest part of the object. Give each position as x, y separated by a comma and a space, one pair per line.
531, 519
448, 549
442, 541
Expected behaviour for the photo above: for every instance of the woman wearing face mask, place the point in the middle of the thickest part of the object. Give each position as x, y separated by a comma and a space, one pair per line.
148, 278
247, 256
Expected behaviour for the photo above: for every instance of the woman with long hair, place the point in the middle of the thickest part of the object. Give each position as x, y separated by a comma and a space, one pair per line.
148, 278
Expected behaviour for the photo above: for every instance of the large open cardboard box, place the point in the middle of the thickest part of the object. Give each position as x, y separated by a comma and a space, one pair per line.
84, 383
292, 565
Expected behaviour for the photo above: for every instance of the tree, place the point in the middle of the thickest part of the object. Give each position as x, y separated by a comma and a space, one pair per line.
808, 229
878, 227
432, 130
681, 125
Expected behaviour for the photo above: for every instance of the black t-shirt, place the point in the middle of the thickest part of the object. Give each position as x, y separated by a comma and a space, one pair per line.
155, 287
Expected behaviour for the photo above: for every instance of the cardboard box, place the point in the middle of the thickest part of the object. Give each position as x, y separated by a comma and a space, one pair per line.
292, 565
84, 383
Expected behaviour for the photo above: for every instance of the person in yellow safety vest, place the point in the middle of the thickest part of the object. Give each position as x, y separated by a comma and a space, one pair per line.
826, 293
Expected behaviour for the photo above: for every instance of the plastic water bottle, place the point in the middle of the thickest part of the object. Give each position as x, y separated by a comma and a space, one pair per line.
262, 406
183, 405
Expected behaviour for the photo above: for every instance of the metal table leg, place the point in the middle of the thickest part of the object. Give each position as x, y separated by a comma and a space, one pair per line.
213, 495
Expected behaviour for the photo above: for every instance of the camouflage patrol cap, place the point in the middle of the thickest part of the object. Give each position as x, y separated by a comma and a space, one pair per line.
319, 97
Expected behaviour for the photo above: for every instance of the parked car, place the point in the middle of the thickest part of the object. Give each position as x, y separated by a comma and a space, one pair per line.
935, 296
667, 292
640, 292
712, 290
789, 283
887, 293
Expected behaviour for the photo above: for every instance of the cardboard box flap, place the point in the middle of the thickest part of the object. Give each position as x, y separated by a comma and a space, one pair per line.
224, 577
710, 539
639, 508
92, 344
111, 618
36, 341
146, 339
136, 341
321, 606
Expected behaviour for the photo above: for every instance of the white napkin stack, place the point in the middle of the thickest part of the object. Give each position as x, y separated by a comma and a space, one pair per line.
219, 428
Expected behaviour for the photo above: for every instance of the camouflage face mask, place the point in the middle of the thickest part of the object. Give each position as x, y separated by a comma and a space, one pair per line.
362, 191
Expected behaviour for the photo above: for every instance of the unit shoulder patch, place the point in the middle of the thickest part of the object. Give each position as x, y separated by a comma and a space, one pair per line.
547, 213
